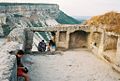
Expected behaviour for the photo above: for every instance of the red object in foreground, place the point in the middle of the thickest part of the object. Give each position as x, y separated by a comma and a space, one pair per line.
20, 72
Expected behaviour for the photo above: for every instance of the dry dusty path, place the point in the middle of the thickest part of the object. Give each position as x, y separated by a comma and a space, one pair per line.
76, 65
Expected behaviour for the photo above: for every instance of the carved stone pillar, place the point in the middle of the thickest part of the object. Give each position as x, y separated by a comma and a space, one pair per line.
101, 46
67, 39
28, 40
57, 38
89, 40
118, 51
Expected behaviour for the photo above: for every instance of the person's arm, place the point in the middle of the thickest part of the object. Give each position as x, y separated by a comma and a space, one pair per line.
29, 62
20, 67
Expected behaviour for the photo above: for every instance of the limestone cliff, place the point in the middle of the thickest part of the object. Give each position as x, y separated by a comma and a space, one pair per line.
31, 15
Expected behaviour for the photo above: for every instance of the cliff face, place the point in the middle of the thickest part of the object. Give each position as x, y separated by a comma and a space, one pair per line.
28, 9
22, 15
27, 15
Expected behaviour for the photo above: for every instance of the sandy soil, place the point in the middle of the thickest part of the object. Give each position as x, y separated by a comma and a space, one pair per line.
72, 65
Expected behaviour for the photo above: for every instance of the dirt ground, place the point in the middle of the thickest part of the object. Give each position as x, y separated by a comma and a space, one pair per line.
71, 65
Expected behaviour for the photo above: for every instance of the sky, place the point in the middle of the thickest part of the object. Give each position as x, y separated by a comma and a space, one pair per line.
79, 7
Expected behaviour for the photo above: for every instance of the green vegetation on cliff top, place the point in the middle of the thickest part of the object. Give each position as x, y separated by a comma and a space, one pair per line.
65, 19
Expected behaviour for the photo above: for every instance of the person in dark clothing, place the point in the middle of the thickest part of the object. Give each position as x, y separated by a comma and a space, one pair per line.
42, 46
21, 70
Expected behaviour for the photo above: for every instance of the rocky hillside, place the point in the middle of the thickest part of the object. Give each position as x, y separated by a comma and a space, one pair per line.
111, 20
65, 19
22, 15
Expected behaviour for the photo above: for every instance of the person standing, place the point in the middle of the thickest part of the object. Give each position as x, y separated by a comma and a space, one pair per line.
52, 45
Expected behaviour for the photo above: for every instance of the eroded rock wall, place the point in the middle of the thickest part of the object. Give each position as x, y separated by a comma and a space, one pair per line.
96, 38
8, 67
110, 42
78, 39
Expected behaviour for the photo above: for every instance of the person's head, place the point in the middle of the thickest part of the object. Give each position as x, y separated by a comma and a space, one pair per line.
42, 40
50, 40
20, 53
